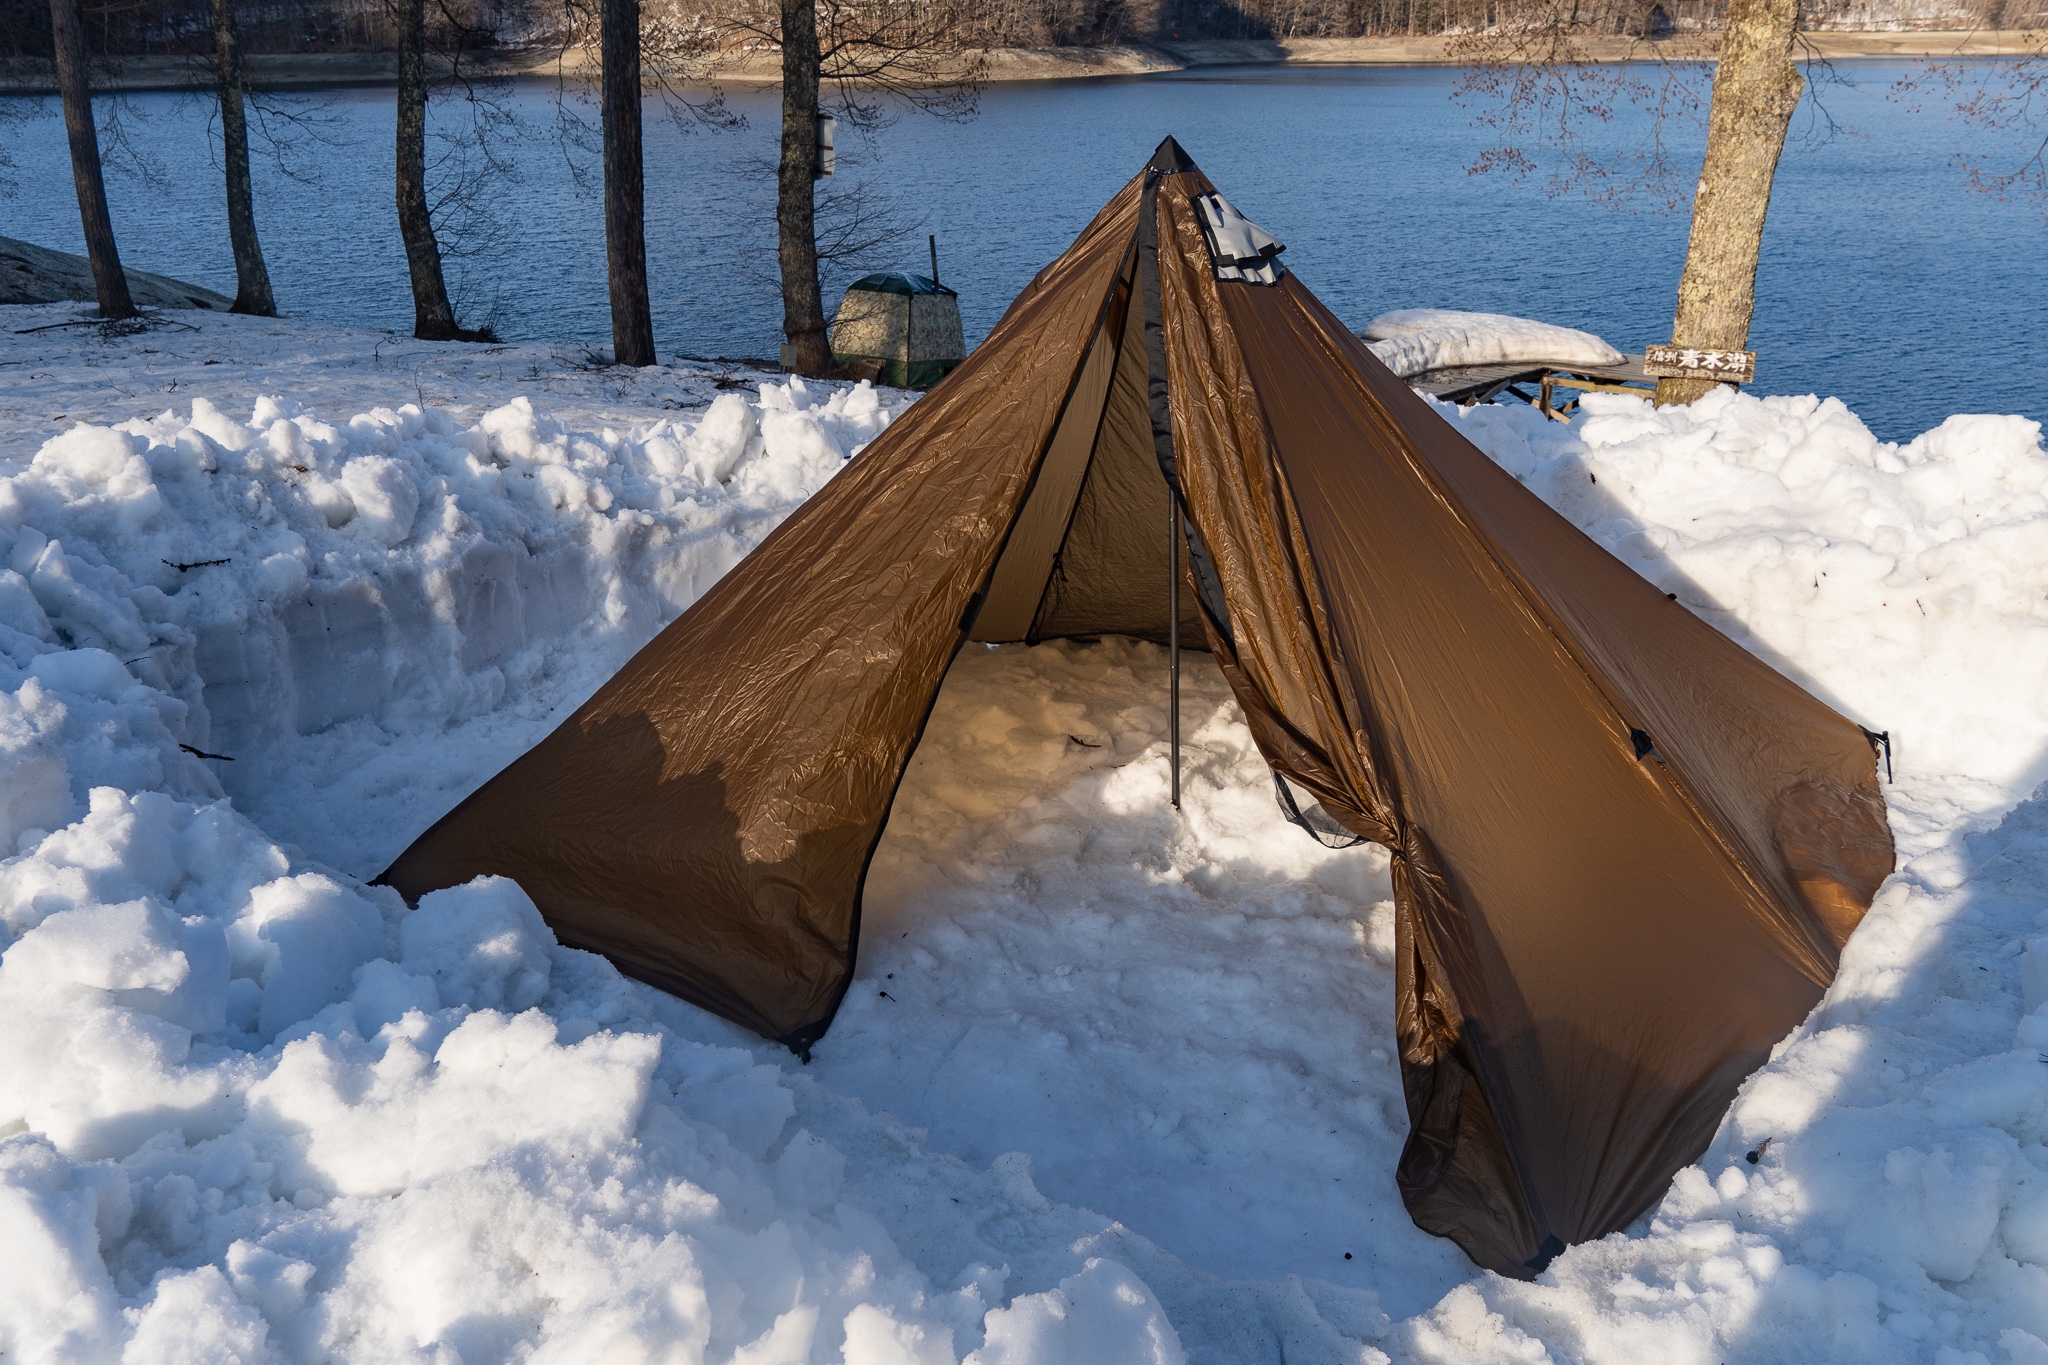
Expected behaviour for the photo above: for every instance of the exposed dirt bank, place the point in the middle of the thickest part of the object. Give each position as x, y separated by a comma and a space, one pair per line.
287, 71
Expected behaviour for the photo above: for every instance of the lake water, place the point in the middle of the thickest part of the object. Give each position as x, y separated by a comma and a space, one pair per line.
1883, 281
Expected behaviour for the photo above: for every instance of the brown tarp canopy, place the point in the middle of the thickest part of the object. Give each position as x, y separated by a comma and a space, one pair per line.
1625, 853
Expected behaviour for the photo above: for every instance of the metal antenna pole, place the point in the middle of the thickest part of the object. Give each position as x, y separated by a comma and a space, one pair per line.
1173, 634
932, 239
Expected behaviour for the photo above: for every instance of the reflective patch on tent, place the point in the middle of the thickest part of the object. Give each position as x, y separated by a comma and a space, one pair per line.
1242, 249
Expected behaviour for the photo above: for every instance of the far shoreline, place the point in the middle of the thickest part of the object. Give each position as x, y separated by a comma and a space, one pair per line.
301, 71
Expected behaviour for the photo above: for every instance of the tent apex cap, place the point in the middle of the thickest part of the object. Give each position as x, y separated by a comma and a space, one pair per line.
1170, 159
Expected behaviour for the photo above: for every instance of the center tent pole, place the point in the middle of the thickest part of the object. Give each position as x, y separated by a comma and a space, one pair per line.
1173, 634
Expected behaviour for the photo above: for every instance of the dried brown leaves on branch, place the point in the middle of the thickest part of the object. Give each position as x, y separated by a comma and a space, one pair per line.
680, 51
2003, 98
1553, 81
874, 55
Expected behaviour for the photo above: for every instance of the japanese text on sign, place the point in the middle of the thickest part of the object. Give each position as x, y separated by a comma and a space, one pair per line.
1686, 362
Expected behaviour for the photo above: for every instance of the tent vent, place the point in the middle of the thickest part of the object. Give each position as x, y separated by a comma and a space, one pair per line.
1242, 249
1645, 747
1312, 817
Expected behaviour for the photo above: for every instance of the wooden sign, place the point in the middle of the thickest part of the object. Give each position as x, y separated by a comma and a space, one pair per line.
1687, 362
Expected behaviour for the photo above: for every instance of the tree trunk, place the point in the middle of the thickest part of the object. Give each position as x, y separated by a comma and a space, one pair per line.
252, 280
625, 210
433, 318
69, 50
1756, 90
803, 312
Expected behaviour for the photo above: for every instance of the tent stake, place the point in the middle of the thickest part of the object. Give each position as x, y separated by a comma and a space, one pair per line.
1173, 634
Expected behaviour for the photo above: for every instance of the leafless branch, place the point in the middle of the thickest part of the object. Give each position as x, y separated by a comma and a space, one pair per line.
1995, 98
679, 55
861, 227
1533, 79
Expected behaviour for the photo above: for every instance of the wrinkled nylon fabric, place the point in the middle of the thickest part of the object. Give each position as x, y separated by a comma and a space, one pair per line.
705, 820
1595, 948
1110, 575
1033, 551
1592, 948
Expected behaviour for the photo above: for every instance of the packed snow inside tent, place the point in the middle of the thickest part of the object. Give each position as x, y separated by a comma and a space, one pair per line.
257, 1111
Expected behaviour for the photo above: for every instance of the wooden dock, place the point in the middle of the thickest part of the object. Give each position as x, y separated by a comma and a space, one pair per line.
1538, 385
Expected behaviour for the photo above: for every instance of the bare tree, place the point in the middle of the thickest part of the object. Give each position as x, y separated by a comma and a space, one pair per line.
876, 57
1536, 82
803, 307
1540, 88
1756, 90
68, 50
433, 317
474, 161
656, 49
625, 210
252, 278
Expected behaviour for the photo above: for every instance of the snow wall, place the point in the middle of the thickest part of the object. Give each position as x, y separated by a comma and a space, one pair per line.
256, 1110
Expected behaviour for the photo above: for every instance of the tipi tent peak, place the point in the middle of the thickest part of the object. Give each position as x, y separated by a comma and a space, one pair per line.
1626, 853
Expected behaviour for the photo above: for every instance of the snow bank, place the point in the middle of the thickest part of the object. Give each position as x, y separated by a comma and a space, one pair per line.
397, 573
1900, 1210
396, 567
257, 1111
1413, 340
285, 1119
1904, 584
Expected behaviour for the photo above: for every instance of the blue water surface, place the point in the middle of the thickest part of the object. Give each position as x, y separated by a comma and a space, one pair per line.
1884, 281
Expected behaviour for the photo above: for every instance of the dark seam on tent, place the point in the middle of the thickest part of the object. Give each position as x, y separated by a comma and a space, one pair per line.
1059, 556
800, 1041
1208, 586
1679, 785
1056, 574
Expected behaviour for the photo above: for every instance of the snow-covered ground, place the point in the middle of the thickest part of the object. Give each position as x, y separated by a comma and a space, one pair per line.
1113, 1085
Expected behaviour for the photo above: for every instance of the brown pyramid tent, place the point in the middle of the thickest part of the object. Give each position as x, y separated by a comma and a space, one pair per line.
1626, 853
